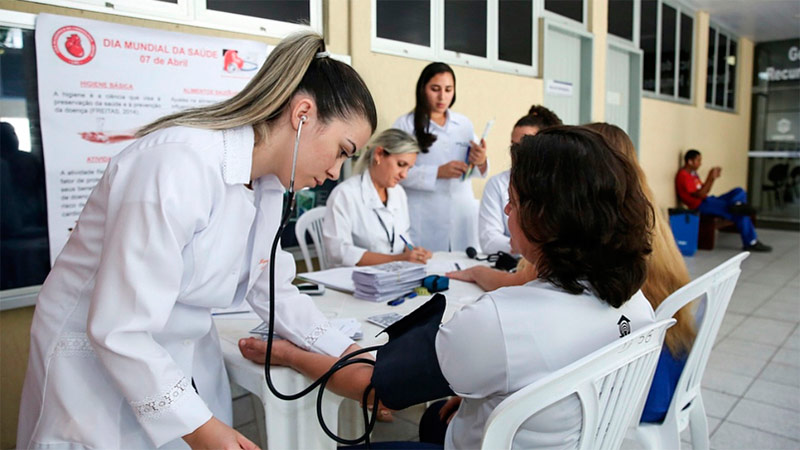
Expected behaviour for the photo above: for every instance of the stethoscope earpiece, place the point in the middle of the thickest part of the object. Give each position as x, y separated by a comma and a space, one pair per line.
303, 118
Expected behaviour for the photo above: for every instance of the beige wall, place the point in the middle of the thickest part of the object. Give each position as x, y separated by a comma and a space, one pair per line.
669, 128
14, 343
481, 94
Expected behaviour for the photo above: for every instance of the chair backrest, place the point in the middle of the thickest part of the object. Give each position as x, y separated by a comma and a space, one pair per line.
716, 286
311, 222
778, 173
609, 382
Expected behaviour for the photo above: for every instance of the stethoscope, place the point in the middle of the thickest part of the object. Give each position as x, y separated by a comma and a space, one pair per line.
346, 360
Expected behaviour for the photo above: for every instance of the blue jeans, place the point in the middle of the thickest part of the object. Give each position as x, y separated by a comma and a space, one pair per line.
718, 206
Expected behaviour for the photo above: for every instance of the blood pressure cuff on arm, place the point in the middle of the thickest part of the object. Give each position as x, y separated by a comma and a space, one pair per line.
407, 370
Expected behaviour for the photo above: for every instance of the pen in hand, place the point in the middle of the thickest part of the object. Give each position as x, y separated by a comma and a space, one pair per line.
410, 247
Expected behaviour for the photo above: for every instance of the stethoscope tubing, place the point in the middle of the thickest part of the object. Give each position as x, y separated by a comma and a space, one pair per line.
344, 361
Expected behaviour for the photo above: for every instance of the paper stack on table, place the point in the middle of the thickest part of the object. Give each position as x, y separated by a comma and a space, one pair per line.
387, 281
339, 278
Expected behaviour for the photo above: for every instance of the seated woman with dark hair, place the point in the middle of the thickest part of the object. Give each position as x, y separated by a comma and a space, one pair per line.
576, 210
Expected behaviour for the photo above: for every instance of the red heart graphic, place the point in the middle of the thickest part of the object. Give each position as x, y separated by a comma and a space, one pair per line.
73, 45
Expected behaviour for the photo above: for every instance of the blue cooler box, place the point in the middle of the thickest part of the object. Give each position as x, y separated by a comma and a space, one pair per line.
685, 226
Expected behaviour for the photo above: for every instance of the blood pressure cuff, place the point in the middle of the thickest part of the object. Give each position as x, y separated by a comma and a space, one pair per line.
436, 283
505, 262
406, 369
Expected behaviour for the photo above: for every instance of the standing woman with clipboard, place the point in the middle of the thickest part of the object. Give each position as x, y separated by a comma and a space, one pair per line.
442, 206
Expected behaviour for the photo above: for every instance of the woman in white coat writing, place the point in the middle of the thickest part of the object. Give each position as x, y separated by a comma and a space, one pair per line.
366, 217
441, 204
124, 353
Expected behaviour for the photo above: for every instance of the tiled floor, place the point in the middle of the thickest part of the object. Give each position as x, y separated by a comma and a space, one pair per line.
751, 387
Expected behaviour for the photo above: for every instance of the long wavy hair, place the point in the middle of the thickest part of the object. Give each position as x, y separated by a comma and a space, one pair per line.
295, 65
580, 201
666, 269
422, 110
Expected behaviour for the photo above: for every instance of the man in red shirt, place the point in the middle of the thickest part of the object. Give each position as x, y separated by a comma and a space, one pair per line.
731, 206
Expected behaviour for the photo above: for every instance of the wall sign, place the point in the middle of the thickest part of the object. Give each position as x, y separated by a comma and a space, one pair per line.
99, 82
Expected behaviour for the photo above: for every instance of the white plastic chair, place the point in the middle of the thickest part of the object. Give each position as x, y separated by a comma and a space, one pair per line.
609, 382
687, 407
311, 222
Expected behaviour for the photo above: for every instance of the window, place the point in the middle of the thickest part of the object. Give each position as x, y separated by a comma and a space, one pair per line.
405, 21
730, 65
667, 71
465, 26
620, 18
722, 60
667, 42
25, 260
488, 34
712, 51
571, 9
274, 18
648, 43
685, 57
515, 32
291, 11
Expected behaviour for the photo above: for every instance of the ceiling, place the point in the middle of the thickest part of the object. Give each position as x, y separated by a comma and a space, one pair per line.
758, 20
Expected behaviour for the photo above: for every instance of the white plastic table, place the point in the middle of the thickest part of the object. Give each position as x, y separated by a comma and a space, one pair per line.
293, 424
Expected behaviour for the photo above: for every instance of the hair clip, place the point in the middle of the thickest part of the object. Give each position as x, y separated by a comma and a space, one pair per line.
320, 55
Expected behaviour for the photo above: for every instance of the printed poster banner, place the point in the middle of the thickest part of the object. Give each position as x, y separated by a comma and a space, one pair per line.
99, 82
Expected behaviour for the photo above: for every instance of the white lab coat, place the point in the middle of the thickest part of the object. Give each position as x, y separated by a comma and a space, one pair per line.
515, 336
351, 226
492, 218
122, 324
443, 212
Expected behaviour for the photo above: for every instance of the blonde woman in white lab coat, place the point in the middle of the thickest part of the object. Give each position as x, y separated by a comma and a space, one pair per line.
124, 353
366, 217
442, 206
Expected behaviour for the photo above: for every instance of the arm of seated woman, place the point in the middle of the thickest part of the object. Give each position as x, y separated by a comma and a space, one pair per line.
490, 279
350, 381
417, 255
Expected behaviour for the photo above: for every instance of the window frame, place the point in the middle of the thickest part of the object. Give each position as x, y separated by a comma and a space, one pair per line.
540, 11
26, 295
400, 48
620, 41
195, 13
680, 8
720, 29
437, 52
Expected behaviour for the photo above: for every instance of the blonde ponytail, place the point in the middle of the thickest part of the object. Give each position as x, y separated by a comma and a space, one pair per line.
393, 141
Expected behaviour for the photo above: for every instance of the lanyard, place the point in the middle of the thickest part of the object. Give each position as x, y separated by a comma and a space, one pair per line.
386, 230
389, 239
